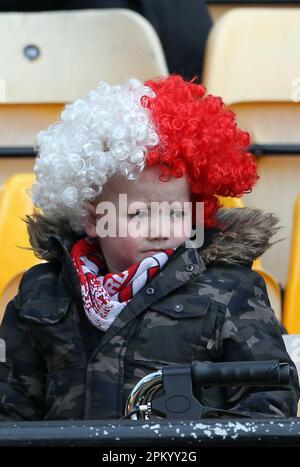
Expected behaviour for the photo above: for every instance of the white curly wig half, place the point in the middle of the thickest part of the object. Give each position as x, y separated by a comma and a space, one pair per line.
104, 134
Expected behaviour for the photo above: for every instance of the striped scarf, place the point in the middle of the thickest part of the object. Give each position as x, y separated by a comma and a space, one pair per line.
104, 295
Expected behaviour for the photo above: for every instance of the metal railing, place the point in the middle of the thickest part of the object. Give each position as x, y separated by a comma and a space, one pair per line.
217, 432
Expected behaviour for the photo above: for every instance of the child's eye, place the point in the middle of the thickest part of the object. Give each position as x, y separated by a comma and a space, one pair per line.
176, 214
139, 214
142, 214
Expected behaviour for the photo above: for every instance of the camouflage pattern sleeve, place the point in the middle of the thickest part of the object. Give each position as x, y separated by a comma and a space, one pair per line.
22, 373
251, 332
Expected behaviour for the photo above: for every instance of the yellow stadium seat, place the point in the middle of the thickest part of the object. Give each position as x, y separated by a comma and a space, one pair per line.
273, 287
252, 61
14, 205
229, 202
52, 58
291, 314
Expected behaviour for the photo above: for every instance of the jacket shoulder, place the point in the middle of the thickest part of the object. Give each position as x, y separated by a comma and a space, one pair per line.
221, 281
252, 289
39, 280
43, 268
43, 297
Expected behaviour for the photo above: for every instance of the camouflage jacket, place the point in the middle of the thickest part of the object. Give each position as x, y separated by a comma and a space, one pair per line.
207, 304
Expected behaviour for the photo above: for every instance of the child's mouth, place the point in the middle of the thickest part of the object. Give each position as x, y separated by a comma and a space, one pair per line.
152, 252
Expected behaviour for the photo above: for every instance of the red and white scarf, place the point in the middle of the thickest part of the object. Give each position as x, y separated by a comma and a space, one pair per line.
104, 295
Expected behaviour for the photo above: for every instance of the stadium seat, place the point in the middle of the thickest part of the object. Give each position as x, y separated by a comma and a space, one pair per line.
229, 202
291, 315
252, 61
272, 285
14, 259
217, 8
51, 58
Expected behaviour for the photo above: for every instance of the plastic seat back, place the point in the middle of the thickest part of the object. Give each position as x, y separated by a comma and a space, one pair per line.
291, 315
14, 205
52, 58
252, 61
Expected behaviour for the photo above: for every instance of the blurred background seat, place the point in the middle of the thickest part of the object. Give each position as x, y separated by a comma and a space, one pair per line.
217, 8
252, 61
41, 70
51, 58
292, 295
15, 259
182, 26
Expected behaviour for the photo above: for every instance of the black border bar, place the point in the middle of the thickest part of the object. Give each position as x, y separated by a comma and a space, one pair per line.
252, 2
275, 149
257, 149
17, 152
203, 432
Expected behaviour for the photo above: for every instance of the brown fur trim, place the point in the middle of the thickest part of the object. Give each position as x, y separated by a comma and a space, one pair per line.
245, 235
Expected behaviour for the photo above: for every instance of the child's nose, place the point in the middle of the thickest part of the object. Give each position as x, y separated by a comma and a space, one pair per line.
159, 231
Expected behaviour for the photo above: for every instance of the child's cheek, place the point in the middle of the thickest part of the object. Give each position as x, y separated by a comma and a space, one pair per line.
131, 246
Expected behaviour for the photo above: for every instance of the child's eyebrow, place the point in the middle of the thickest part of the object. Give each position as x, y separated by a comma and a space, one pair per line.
150, 203
138, 205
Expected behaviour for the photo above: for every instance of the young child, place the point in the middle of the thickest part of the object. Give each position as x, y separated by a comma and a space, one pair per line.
108, 308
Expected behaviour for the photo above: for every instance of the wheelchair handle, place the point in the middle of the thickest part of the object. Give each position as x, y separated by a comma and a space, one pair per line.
178, 381
269, 372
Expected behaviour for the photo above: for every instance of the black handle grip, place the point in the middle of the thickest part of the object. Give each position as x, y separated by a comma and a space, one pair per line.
258, 373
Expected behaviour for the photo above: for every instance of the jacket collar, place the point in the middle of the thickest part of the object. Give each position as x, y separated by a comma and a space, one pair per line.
243, 235
186, 260
56, 245
183, 266
180, 269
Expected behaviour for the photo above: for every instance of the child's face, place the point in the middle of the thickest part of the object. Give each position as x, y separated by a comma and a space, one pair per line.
156, 230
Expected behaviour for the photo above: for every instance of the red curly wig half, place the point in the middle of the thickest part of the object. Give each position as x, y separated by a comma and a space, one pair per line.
199, 137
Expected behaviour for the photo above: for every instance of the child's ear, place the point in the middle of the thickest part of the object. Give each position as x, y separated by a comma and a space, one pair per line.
91, 221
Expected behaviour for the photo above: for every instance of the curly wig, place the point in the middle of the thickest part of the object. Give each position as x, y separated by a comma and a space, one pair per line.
199, 137
167, 122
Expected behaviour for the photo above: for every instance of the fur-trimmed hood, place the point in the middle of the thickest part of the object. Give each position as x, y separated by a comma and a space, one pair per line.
242, 235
